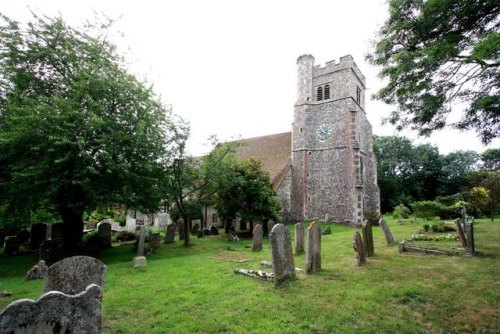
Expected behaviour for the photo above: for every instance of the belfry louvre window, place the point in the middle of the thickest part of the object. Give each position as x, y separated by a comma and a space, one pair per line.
319, 94
358, 95
327, 92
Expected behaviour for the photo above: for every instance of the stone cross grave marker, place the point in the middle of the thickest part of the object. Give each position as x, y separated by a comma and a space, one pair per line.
357, 244
281, 249
73, 274
313, 251
257, 238
299, 238
387, 232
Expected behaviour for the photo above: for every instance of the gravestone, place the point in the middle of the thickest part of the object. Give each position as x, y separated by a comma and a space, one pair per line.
257, 238
367, 230
299, 238
214, 230
170, 236
51, 250
470, 250
281, 250
357, 244
74, 274
38, 234
57, 231
55, 312
387, 232
104, 231
140, 259
23, 236
154, 240
313, 251
195, 229
460, 232
91, 225
11, 246
38, 271
270, 225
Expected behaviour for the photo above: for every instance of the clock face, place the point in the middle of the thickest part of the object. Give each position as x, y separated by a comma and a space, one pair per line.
324, 132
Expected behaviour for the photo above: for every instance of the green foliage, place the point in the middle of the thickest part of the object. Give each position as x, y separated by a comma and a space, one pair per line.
401, 211
102, 213
436, 53
491, 159
442, 227
76, 130
193, 210
427, 210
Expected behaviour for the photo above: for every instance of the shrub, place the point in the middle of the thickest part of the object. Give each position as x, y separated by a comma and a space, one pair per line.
426, 227
426, 209
442, 227
401, 211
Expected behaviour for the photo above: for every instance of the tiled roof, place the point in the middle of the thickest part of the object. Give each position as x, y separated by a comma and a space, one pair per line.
273, 151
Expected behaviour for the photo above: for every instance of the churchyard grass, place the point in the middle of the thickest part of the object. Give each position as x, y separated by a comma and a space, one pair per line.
194, 289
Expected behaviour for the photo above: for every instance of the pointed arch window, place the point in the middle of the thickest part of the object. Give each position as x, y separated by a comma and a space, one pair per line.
319, 94
327, 92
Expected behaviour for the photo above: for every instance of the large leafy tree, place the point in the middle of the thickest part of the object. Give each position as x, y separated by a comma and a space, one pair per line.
76, 130
439, 53
456, 169
491, 159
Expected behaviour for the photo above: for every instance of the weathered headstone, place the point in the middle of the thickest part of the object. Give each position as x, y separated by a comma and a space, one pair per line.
154, 240
281, 250
257, 238
11, 246
270, 225
313, 252
38, 234
140, 259
38, 271
51, 250
367, 230
170, 236
23, 236
104, 230
299, 238
55, 312
460, 232
195, 229
387, 232
357, 244
57, 231
73, 274
470, 250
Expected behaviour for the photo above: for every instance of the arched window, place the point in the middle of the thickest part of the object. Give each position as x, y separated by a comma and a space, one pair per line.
327, 92
319, 94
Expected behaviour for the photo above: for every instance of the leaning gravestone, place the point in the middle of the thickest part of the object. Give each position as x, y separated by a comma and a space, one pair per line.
11, 246
38, 234
140, 259
313, 251
257, 238
74, 274
460, 232
357, 244
367, 230
170, 236
299, 238
38, 271
104, 230
470, 250
387, 232
281, 249
55, 312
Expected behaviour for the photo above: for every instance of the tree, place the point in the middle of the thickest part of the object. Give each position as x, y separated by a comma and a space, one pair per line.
437, 53
76, 130
456, 168
491, 159
247, 193
489, 180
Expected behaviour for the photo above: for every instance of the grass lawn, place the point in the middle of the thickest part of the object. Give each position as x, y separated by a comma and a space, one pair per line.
194, 289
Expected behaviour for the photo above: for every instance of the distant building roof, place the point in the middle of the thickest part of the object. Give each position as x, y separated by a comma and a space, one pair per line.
273, 151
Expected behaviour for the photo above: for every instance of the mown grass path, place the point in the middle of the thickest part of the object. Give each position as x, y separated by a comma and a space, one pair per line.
194, 289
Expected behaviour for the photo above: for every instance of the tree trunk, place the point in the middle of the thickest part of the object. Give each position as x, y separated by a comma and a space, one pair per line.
72, 230
187, 231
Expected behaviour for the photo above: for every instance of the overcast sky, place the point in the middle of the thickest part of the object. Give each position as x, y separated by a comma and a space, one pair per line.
229, 67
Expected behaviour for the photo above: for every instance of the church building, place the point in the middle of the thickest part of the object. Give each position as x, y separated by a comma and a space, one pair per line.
325, 167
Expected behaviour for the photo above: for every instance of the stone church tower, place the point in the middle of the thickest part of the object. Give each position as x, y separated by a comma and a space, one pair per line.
333, 167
